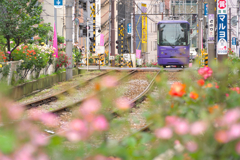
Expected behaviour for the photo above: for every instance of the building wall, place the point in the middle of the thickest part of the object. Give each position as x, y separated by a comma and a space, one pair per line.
48, 15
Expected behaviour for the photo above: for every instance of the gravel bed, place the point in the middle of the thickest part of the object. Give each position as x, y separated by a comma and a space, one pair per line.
60, 87
135, 85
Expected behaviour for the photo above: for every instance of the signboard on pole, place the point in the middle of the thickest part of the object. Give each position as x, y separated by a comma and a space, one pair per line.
144, 23
234, 41
205, 9
211, 27
129, 28
58, 3
222, 27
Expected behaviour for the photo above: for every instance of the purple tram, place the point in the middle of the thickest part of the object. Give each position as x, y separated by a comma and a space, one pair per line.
173, 40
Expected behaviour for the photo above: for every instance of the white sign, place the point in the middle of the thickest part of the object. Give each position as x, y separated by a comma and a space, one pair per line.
222, 46
100, 50
111, 57
222, 7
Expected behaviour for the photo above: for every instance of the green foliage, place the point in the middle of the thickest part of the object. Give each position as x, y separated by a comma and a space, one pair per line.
4, 69
16, 21
60, 39
44, 31
61, 61
77, 56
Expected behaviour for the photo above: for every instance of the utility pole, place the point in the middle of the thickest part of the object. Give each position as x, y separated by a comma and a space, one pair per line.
112, 32
211, 30
230, 29
237, 52
69, 31
132, 33
199, 26
133, 28
87, 42
109, 33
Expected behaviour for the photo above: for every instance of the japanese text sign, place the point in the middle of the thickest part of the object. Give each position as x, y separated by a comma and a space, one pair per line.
211, 27
222, 7
222, 33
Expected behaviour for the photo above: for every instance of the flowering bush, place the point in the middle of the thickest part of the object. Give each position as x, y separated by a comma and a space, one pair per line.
61, 61
194, 118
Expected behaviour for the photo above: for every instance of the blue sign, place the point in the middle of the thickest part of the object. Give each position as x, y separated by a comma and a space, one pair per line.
58, 3
222, 33
234, 41
129, 28
205, 9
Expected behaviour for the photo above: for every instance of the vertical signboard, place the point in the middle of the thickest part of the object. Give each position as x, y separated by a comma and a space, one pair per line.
129, 28
222, 27
144, 27
205, 9
58, 3
211, 27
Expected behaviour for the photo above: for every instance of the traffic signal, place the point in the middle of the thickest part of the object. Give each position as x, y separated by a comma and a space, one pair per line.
84, 6
91, 1
117, 44
91, 39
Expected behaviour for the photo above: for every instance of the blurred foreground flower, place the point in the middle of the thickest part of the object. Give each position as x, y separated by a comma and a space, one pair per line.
109, 81
205, 72
164, 133
177, 89
123, 103
201, 82
193, 95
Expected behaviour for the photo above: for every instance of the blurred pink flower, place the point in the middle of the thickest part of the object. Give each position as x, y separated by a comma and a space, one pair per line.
109, 81
90, 106
163, 133
100, 123
234, 132
74, 136
39, 139
227, 95
191, 146
238, 148
198, 128
15, 111
205, 72
42, 156
8, 52
123, 103
34, 114
181, 127
231, 116
221, 136
49, 119
3, 157
171, 120
78, 125
25, 153
237, 89
11, 42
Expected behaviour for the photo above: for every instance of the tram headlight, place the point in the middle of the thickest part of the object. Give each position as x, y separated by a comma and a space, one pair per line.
184, 52
161, 52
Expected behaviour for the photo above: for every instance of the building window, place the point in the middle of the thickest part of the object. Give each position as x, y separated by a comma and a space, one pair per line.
155, 45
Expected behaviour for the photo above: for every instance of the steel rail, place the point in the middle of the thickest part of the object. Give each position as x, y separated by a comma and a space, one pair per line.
53, 97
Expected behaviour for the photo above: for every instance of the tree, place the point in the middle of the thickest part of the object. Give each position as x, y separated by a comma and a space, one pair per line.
17, 19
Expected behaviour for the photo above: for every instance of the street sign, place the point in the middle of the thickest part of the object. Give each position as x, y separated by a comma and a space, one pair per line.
205, 9
58, 3
129, 28
211, 27
234, 41
222, 27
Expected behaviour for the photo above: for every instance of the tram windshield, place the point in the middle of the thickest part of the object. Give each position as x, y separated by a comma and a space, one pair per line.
173, 34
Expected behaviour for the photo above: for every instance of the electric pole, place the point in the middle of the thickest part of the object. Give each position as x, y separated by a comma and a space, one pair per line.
230, 30
199, 26
112, 32
133, 28
211, 31
69, 31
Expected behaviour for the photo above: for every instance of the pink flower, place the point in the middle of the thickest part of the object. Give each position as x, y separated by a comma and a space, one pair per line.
221, 136
171, 120
181, 127
74, 136
11, 42
39, 139
49, 119
15, 111
109, 81
90, 106
198, 128
234, 132
8, 52
100, 123
164, 133
78, 125
123, 103
34, 114
205, 72
227, 95
42, 156
231, 116
191, 146
238, 148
